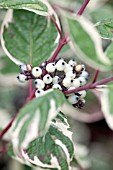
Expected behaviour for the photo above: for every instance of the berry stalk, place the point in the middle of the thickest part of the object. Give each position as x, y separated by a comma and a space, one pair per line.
84, 5
90, 86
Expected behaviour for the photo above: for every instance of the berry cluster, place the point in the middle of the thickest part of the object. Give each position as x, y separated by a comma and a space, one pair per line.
60, 75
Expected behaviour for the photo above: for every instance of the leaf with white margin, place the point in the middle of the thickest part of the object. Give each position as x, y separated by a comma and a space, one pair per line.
28, 38
107, 104
109, 52
86, 42
38, 6
53, 150
105, 28
35, 118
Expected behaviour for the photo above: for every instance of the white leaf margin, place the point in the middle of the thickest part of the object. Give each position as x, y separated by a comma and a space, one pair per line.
9, 17
90, 29
105, 105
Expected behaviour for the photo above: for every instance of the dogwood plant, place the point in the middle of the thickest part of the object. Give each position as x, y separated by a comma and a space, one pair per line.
33, 35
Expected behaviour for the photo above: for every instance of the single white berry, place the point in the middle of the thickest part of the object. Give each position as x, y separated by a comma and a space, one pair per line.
73, 99
47, 79
76, 83
71, 74
50, 67
78, 68
82, 94
68, 68
72, 63
39, 92
67, 82
36, 72
56, 80
39, 84
84, 74
82, 80
60, 65
22, 78
57, 86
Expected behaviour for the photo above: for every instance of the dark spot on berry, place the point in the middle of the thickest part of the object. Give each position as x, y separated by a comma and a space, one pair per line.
37, 69
71, 81
48, 77
17, 77
63, 63
36, 82
38, 91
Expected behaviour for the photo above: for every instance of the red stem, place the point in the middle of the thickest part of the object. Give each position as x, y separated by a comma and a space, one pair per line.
11, 122
7, 127
60, 46
90, 86
59, 30
84, 5
30, 87
96, 76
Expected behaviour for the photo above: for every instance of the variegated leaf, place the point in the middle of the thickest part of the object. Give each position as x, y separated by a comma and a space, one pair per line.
86, 42
35, 118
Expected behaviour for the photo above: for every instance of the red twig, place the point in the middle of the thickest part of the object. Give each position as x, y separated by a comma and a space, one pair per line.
11, 122
96, 76
90, 86
30, 87
84, 5
59, 30
7, 127
60, 46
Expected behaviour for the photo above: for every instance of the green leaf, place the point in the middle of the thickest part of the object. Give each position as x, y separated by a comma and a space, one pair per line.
109, 52
35, 118
87, 44
35, 5
29, 38
105, 28
55, 149
107, 104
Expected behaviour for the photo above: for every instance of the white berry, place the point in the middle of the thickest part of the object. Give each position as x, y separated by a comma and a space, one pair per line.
36, 72
82, 80
57, 86
82, 94
39, 84
72, 63
84, 74
22, 78
39, 92
50, 67
67, 82
78, 68
76, 83
68, 68
56, 80
73, 99
47, 79
60, 65
71, 74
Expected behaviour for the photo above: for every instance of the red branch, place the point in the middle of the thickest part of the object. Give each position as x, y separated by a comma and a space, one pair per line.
96, 76
84, 5
60, 46
59, 30
90, 86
